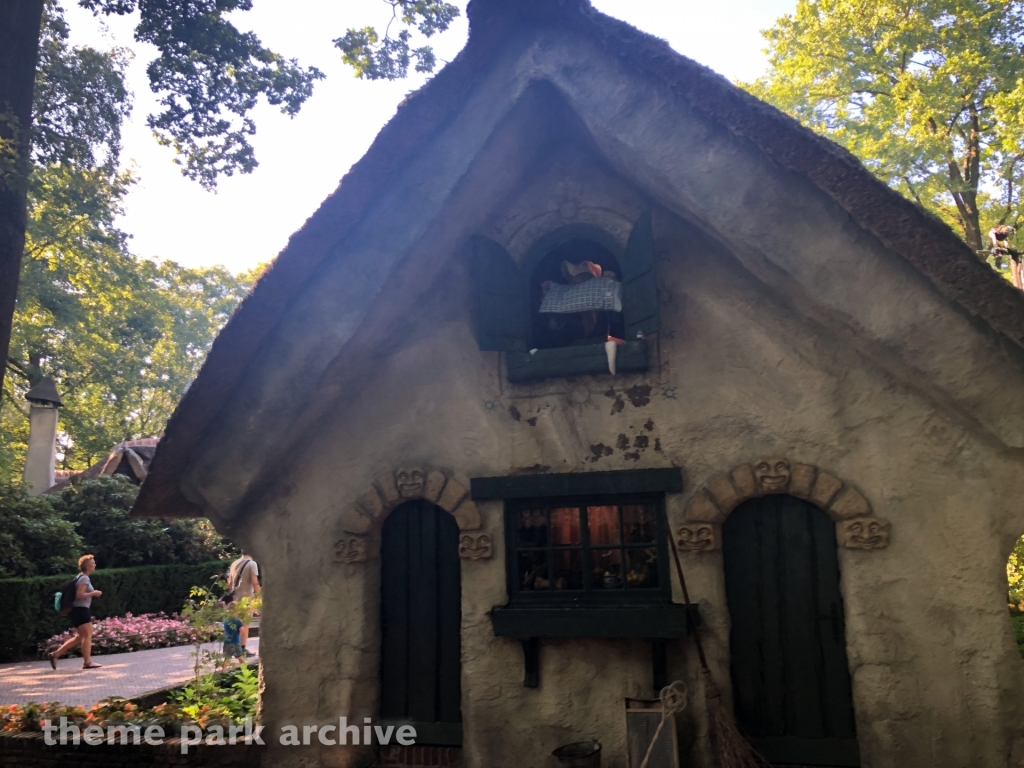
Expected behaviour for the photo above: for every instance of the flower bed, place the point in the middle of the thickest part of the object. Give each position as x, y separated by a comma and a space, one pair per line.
135, 633
213, 699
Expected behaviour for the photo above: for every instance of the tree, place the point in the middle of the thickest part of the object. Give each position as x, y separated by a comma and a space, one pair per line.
927, 93
99, 511
209, 77
35, 539
123, 336
44, 535
1015, 576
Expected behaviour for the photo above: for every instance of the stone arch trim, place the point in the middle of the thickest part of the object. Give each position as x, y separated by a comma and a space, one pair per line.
362, 521
856, 526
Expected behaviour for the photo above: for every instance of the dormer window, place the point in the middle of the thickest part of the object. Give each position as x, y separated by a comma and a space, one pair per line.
575, 296
556, 315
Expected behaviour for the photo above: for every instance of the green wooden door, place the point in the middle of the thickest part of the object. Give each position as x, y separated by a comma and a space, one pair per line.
789, 671
421, 616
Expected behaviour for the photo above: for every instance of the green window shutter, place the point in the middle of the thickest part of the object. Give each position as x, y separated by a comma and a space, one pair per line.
639, 282
501, 308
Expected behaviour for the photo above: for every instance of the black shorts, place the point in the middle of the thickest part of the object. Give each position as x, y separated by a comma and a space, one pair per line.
80, 615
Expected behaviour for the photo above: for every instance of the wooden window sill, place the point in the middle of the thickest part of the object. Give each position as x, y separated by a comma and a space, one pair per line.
661, 620
588, 360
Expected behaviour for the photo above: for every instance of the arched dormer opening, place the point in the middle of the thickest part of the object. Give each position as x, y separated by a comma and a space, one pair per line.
586, 267
554, 314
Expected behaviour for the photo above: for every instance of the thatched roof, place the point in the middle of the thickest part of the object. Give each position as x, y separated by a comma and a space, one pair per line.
130, 459
920, 238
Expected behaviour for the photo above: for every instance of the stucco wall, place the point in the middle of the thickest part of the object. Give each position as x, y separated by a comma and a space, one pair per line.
786, 331
736, 374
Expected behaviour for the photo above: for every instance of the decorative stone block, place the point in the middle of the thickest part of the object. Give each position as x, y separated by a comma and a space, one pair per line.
849, 503
476, 546
410, 482
702, 508
372, 504
772, 474
698, 537
801, 481
721, 488
863, 533
743, 477
467, 515
434, 486
825, 489
451, 496
354, 521
388, 489
355, 549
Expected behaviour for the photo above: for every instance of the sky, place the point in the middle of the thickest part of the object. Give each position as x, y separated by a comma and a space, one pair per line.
249, 218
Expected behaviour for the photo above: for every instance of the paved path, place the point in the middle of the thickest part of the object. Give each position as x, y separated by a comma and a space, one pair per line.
123, 674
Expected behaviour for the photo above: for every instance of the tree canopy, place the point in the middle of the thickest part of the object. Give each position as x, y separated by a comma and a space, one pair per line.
208, 75
122, 336
927, 93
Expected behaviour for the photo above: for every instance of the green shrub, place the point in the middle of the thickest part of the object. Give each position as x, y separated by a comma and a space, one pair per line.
1018, 629
99, 510
27, 604
35, 538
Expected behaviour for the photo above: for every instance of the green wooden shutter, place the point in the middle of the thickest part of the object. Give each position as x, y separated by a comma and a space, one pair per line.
502, 318
639, 282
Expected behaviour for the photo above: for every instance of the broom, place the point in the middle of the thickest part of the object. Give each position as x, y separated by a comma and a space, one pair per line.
729, 747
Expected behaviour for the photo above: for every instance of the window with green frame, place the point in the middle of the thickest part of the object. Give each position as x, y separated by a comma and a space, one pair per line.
596, 549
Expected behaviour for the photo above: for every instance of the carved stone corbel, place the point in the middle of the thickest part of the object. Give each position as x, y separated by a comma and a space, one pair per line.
476, 545
698, 537
355, 549
863, 533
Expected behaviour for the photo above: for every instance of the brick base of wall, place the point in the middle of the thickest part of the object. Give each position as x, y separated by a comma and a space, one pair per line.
28, 750
415, 757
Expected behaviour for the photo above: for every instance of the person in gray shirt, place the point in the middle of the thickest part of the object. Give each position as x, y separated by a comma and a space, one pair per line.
244, 582
81, 615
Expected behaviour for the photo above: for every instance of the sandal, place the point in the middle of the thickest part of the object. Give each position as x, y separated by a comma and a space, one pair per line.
53, 660
91, 666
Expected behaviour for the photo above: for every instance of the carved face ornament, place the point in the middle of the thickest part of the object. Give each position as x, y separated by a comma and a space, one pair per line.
350, 549
772, 474
698, 537
866, 533
475, 546
410, 482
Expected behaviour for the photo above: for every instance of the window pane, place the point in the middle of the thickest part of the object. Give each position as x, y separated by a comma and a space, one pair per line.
532, 528
607, 568
638, 523
568, 569
565, 526
603, 525
642, 568
533, 571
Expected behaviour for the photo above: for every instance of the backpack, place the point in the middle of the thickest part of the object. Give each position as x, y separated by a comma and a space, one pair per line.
63, 601
229, 597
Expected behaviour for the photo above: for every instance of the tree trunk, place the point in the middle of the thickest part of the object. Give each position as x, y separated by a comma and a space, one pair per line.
20, 23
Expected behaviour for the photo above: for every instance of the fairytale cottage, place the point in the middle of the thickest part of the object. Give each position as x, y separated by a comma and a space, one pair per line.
466, 517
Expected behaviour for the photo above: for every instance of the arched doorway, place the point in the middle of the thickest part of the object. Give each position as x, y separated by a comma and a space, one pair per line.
421, 616
791, 680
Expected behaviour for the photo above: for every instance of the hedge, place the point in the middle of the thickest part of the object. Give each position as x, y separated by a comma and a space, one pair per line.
26, 605
1018, 630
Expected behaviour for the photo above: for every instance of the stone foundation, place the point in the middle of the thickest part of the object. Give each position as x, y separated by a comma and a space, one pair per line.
414, 757
28, 750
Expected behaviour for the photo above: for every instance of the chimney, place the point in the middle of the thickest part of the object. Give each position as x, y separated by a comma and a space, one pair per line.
42, 436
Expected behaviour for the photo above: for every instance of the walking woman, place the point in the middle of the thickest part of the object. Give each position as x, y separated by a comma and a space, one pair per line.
81, 615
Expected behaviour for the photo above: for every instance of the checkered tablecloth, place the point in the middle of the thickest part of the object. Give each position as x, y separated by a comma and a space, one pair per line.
599, 293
